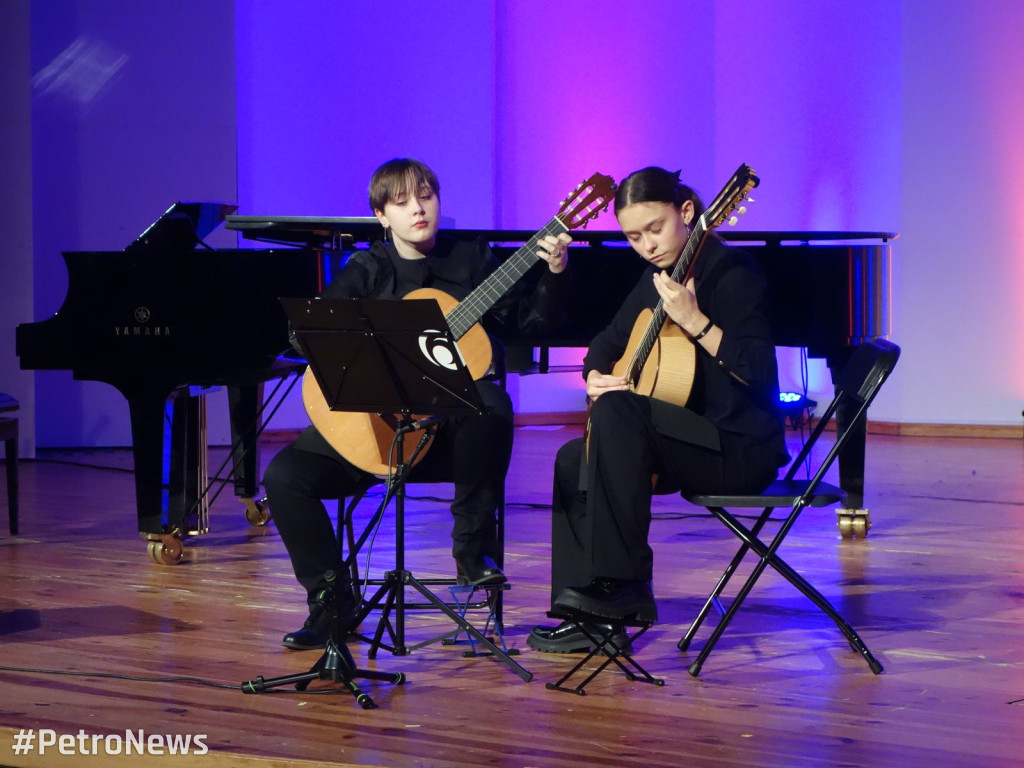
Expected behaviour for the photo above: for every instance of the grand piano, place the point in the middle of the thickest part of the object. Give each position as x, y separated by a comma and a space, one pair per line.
167, 317
163, 321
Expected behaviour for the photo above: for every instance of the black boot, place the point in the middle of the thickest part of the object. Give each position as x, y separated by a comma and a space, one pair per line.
333, 603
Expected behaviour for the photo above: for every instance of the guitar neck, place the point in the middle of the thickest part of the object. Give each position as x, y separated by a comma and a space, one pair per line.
680, 274
498, 283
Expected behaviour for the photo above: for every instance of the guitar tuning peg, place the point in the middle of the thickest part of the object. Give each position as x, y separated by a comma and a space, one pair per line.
750, 200
742, 209
733, 220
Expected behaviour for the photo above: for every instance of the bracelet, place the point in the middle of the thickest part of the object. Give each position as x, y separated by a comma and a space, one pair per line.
704, 332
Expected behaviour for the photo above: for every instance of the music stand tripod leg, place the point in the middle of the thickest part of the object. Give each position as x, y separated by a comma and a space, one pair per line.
391, 591
336, 663
396, 580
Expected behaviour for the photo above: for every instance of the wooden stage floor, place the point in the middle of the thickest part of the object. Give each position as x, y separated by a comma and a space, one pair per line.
936, 589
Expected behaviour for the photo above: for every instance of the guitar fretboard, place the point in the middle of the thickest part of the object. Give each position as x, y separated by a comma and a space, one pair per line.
643, 349
486, 295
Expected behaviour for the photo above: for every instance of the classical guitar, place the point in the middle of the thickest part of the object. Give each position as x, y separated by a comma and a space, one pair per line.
366, 439
660, 359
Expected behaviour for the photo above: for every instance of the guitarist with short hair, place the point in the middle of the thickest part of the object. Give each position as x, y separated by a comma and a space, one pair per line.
471, 451
712, 426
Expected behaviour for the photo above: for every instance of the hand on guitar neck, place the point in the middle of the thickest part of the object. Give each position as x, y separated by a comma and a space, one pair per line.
680, 303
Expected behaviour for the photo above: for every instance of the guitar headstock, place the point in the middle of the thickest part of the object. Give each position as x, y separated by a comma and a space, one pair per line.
730, 198
586, 201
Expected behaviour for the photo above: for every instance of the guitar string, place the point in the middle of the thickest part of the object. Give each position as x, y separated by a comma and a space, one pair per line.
467, 312
643, 350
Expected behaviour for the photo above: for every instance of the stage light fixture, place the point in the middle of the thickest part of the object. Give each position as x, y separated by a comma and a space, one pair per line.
793, 405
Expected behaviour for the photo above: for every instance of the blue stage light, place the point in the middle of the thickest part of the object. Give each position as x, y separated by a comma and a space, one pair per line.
793, 405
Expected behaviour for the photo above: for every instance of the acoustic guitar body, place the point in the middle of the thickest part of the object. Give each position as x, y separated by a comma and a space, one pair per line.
670, 367
365, 439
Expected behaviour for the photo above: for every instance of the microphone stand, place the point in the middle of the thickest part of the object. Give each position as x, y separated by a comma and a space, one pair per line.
336, 663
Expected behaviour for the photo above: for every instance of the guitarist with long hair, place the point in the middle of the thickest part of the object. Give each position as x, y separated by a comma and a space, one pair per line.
722, 434
471, 451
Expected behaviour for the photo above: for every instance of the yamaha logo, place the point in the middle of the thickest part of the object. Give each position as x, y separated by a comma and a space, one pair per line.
439, 349
142, 327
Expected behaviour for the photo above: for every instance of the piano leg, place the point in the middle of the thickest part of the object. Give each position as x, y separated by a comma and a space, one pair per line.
148, 418
169, 449
244, 402
853, 519
187, 473
851, 459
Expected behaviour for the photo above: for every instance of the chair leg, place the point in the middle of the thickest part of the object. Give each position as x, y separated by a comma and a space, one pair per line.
768, 556
714, 600
11, 460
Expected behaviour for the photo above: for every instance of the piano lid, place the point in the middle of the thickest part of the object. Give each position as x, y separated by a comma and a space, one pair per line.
327, 232
182, 226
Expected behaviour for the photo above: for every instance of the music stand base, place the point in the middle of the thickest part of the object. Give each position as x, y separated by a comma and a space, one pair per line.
335, 664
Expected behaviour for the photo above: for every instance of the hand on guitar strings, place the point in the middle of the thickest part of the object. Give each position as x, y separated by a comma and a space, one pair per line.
680, 302
599, 383
554, 250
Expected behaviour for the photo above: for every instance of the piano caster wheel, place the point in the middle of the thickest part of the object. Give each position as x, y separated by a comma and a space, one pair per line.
167, 549
853, 523
256, 512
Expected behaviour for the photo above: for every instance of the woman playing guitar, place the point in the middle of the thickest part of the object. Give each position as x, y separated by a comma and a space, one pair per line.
472, 451
708, 425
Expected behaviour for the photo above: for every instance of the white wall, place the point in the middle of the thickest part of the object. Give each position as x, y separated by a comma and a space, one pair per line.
959, 308
133, 108
16, 207
877, 116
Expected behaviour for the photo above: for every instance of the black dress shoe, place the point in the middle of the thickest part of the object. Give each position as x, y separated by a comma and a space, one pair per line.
567, 637
479, 571
620, 599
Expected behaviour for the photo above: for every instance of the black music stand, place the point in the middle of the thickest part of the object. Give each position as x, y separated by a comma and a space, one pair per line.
391, 357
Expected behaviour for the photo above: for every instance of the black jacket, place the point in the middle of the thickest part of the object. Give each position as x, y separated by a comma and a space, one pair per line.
737, 391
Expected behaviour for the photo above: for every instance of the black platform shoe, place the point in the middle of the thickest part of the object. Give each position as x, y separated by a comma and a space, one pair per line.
620, 599
479, 571
569, 638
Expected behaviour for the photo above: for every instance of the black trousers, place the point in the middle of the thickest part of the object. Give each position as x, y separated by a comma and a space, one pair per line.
602, 511
473, 452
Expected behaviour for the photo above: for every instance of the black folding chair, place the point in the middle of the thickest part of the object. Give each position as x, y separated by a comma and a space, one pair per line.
859, 382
